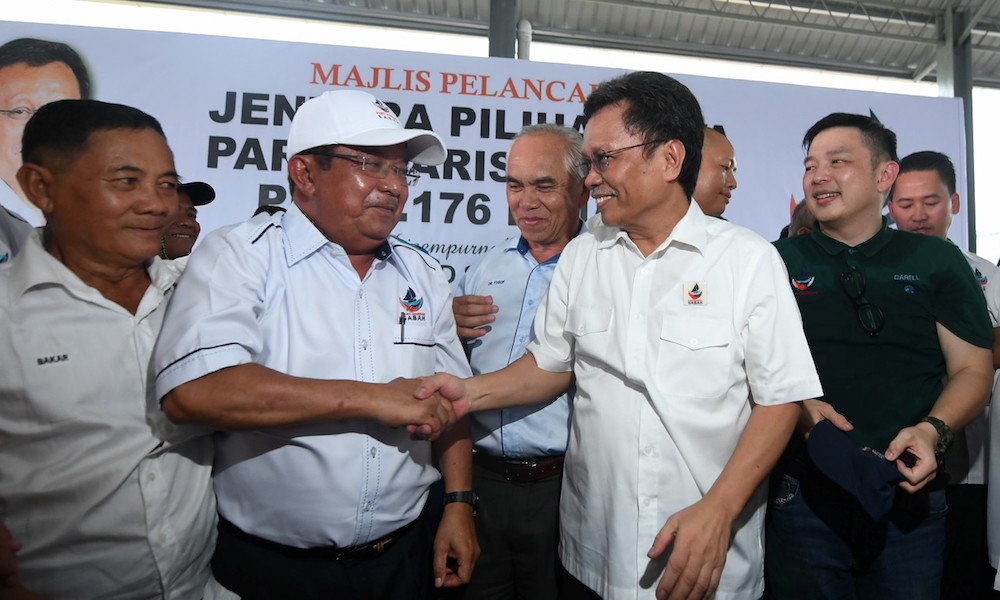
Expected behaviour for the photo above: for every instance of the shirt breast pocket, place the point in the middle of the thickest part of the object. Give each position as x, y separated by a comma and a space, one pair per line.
695, 355
590, 327
415, 333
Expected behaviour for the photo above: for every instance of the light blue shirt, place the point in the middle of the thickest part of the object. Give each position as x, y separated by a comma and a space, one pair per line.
518, 284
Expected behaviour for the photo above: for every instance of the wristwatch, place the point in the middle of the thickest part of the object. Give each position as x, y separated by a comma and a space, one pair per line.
469, 497
945, 435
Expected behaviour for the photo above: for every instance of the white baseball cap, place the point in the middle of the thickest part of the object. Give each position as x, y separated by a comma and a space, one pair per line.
355, 118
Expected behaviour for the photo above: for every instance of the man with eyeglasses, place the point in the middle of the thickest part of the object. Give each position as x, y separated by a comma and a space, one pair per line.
32, 73
899, 331
670, 321
289, 334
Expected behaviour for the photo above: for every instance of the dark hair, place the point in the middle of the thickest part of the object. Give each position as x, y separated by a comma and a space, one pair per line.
60, 130
38, 53
657, 107
801, 217
880, 140
928, 160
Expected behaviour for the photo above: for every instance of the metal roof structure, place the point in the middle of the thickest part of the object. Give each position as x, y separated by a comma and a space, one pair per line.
900, 39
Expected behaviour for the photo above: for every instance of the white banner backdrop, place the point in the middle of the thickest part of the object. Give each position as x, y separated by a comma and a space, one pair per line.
226, 104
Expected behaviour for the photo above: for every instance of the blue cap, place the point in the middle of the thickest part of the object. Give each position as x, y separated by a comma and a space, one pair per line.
862, 471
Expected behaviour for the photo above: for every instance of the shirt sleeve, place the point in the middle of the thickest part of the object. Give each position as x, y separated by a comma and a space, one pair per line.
551, 344
779, 365
212, 320
958, 302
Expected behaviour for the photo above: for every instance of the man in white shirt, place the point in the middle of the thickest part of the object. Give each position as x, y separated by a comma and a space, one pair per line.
669, 320
289, 333
924, 200
106, 498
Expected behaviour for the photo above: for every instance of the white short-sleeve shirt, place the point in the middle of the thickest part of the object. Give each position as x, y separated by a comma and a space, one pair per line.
274, 291
978, 429
667, 351
103, 507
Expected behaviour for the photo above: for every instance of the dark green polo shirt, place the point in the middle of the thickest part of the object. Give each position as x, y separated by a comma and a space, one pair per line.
889, 381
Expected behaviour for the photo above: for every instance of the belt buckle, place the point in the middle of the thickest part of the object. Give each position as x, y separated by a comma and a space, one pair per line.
380, 545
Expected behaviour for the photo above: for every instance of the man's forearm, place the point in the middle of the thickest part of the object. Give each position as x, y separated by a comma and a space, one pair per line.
761, 443
521, 382
454, 450
251, 396
964, 396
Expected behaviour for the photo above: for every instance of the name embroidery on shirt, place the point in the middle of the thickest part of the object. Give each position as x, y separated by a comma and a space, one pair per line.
904, 277
694, 293
48, 360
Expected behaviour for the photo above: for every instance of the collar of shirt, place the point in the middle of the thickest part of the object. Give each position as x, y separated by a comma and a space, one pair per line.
869, 247
302, 238
34, 266
522, 244
691, 230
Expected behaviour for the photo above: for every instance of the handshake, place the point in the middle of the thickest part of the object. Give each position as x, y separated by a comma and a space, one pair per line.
426, 406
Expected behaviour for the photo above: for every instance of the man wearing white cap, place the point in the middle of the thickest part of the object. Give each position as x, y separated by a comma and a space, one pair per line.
288, 333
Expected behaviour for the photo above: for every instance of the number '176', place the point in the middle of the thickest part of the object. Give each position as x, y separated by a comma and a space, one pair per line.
477, 208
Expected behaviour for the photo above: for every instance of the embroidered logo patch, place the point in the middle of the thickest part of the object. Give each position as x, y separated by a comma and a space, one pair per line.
410, 302
981, 278
382, 111
802, 281
694, 292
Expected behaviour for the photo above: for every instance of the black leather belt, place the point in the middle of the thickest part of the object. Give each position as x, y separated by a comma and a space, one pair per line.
364, 551
521, 470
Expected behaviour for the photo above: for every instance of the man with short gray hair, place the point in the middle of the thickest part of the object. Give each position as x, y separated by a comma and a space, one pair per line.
518, 452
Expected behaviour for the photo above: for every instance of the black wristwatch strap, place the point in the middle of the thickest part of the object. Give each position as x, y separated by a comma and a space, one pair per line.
945, 435
469, 497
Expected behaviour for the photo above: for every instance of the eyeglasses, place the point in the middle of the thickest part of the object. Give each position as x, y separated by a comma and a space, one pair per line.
601, 159
375, 168
20, 113
869, 315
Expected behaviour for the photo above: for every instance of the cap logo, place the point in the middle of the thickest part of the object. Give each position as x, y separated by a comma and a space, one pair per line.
384, 112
